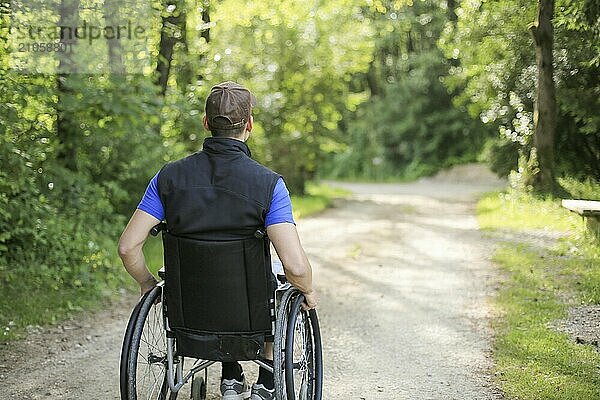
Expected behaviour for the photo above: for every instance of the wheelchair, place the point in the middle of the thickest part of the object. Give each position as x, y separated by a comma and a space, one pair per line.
218, 301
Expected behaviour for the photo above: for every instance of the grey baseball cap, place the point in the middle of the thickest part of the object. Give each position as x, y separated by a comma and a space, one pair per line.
229, 106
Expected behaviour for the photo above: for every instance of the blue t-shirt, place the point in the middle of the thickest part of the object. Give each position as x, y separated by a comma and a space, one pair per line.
280, 210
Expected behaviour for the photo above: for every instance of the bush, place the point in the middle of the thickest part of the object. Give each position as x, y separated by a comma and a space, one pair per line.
412, 131
48, 234
588, 189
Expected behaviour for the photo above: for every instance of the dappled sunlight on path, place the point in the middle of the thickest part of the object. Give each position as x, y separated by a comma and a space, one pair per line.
403, 275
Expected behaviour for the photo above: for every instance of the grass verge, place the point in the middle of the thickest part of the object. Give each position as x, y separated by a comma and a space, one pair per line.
24, 306
533, 360
30, 301
317, 198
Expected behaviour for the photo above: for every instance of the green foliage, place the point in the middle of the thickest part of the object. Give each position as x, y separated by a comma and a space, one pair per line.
298, 59
65, 191
587, 189
494, 77
522, 179
413, 131
55, 256
501, 154
409, 127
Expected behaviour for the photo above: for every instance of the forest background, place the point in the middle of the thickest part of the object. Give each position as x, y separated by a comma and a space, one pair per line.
375, 90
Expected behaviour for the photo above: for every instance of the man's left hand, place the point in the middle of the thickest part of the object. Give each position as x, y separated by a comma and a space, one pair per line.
147, 286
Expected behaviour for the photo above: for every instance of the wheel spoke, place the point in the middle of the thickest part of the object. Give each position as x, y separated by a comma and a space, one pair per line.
298, 364
147, 362
302, 352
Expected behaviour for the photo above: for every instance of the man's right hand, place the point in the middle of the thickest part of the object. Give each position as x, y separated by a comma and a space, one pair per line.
311, 300
147, 285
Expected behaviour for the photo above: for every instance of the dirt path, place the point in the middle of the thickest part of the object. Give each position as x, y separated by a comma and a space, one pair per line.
403, 275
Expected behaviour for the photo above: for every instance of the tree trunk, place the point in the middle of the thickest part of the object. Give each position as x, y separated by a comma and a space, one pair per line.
205, 33
169, 35
372, 80
451, 9
65, 128
544, 115
410, 44
206, 20
185, 74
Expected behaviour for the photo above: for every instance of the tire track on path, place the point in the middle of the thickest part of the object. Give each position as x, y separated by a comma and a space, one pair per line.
404, 278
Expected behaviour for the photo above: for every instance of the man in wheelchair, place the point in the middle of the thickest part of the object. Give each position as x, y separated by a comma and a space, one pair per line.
216, 196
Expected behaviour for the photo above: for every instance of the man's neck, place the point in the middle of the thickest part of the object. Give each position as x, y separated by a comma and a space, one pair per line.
240, 139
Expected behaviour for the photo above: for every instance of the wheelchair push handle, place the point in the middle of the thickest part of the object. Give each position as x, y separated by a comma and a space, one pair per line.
156, 229
162, 226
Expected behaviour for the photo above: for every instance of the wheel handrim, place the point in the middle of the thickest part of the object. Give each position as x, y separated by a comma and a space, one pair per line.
148, 360
152, 355
297, 329
299, 358
303, 358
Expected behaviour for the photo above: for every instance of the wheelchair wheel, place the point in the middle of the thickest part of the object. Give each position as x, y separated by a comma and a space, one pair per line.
298, 364
145, 353
199, 387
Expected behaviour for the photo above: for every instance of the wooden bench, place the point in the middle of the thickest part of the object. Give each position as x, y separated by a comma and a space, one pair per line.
589, 210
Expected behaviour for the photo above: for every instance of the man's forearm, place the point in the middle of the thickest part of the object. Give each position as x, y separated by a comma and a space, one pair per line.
135, 264
130, 248
300, 276
297, 268
303, 283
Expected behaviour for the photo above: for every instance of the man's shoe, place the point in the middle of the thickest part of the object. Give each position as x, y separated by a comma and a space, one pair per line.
260, 392
232, 389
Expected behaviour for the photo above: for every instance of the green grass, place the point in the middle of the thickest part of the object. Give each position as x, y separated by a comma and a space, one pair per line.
23, 306
30, 300
518, 212
318, 197
153, 253
37, 295
533, 360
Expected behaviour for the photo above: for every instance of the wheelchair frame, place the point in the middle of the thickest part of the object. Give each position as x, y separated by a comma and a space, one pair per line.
289, 317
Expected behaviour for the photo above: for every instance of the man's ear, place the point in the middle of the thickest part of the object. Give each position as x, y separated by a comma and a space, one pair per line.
205, 123
250, 124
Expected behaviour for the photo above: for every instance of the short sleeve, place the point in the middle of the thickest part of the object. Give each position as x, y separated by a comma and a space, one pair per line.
280, 210
151, 201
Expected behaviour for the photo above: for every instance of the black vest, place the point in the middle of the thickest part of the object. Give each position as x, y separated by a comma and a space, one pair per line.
219, 193
218, 281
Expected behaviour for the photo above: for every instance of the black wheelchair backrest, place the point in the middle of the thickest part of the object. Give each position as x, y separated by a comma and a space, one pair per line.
218, 296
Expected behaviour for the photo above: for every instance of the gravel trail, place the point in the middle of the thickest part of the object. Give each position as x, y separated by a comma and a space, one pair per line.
404, 278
